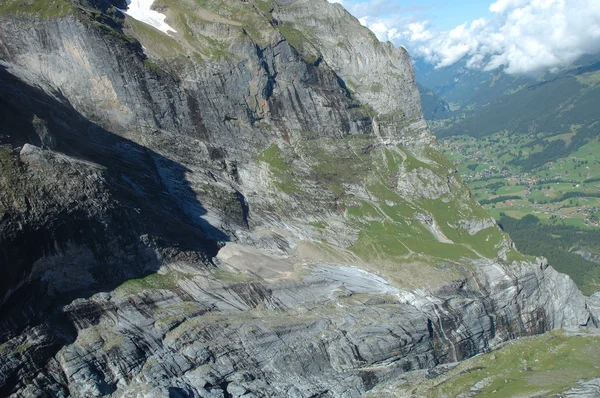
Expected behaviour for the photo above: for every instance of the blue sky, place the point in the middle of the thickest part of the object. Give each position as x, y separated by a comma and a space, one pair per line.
445, 14
522, 36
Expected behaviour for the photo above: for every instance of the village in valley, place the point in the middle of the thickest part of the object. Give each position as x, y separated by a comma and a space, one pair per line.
563, 191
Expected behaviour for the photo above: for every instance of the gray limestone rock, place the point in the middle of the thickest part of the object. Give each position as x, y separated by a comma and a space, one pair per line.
588, 389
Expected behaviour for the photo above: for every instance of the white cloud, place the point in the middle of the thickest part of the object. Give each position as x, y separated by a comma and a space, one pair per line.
501, 6
447, 48
380, 28
417, 31
523, 36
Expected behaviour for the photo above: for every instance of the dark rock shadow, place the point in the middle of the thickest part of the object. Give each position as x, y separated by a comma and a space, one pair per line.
142, 213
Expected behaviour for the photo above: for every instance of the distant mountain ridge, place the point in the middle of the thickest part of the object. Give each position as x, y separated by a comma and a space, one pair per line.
433, 106
486, 102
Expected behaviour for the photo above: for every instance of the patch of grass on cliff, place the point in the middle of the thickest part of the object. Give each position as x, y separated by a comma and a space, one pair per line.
210, 47
449, 216
379, 240
363, 111
318, 224
280, 168
384, 240
155, 41
120, 37
215, 49
387, 227
337, 162
380, 236
395, 116
199, 21
433, 248
439, 158
486, 242
538, 366
382, 192
40, 8
388, 232
514, 255
393, 160
411, 162
235, 277
152, 281
151, 65
219, 7
192, 17
274, 158
299, 41
265, 6
376, 87
11, 348
363, 211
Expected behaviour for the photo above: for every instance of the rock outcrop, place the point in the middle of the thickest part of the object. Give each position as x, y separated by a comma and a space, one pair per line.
249, 206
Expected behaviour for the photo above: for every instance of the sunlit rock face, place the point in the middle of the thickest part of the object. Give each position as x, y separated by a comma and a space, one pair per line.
248, 205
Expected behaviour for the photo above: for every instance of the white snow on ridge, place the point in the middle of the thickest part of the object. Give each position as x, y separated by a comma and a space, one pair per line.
140, 10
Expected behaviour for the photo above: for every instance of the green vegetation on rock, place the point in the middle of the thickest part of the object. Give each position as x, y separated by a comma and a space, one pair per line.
298, 40
389, 226
280, 168
39, 8
151, 281
531, 366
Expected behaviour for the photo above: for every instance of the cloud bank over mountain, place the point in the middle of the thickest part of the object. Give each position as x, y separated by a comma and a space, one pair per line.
523, 36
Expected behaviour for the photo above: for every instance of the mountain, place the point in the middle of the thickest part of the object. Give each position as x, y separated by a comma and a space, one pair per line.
248, 204
487, 102
464, 88
433, 106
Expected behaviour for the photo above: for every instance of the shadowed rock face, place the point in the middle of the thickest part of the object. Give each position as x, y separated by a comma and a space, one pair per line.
250, 207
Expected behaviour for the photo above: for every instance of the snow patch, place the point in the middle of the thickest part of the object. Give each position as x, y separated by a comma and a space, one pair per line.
140, 10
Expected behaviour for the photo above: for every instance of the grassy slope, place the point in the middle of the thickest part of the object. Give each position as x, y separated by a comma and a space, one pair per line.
534, 366
388, 232
41, 8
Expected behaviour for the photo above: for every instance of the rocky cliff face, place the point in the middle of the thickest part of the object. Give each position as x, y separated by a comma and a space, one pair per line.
249, 206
